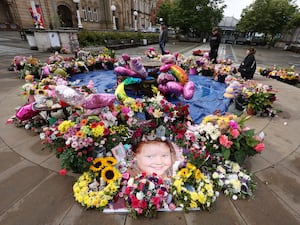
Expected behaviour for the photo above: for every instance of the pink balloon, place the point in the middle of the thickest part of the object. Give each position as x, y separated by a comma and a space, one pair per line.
165, 68
168, 59
188, 90
164, 78
95, 101
163, 88
123, 71
175, 88
26, 112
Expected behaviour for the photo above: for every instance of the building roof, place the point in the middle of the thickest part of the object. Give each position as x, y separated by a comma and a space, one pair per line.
228, 23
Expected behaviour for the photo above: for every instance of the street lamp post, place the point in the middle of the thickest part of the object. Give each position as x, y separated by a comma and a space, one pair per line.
135, 13
113, 9
78, 13
161, 20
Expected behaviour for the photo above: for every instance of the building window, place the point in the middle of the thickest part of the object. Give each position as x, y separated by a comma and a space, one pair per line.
96, 17
84, 14
90, 14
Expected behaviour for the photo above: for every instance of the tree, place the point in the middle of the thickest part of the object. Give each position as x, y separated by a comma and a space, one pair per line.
192, 16
271, 17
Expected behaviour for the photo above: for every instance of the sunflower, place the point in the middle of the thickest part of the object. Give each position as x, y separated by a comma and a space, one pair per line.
110, 161
198, 174
110, 174
40, 92
97, 165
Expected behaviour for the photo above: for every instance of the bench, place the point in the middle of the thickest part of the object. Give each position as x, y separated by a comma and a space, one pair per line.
113, 44
122, 43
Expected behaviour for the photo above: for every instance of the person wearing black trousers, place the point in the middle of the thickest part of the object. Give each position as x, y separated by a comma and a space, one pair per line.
163, 38
248, 66
214, 43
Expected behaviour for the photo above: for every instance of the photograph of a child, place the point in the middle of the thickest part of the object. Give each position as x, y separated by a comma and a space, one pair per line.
155, 156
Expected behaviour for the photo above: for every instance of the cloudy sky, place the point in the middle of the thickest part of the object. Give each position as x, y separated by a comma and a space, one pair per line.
235, 7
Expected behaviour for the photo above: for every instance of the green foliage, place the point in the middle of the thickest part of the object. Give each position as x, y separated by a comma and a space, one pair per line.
268, 16
97, 38
192, 15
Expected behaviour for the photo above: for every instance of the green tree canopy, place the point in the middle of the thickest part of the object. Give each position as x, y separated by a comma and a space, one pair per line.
269, 16
192, 15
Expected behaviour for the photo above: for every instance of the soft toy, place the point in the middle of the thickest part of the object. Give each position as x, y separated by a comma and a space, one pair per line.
137, 66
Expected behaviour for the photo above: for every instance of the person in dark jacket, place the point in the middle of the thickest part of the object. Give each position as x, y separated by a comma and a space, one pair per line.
248, 66
163, 38
214, 43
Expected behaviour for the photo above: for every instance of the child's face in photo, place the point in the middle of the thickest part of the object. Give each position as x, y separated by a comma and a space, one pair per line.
154, 158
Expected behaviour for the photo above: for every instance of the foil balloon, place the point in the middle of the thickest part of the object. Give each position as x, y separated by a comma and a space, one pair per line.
164, 78
175, 88
188, 90
179, 74
165, 68
26, 112
123, 71
94, 101
69, 95
120, 93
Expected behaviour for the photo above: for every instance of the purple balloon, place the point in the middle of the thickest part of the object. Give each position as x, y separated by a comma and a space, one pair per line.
175, 88
188, 90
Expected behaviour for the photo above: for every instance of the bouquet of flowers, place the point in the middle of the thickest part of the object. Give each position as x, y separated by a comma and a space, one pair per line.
223, 136
192, 189
97, 187
233, 180
145, 195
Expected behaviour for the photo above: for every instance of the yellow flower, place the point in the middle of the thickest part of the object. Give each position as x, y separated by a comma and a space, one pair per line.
110, 174
194, 196
98, 131
65, 125
183, 172
110, 161
201, 198
98, 164
198, 174
40, 92
157, 113
193, 204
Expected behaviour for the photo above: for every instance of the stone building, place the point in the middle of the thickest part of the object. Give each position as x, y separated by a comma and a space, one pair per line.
93, 14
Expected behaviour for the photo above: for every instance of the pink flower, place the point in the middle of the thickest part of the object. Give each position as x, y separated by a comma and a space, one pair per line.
90, 159
225, 141
172, 206
235, 133
259, 147
63, 172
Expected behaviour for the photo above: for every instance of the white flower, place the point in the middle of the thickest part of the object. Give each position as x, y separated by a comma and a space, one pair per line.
234, 197
215, 175
235, 167
140, 195
42, 136
130, 182
151, 186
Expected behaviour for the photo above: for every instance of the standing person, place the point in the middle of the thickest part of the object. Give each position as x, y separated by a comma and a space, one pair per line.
163, 38
248, 66
214, 43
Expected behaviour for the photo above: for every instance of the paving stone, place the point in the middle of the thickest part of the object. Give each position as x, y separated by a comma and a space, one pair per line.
223, 212
265, 208
8, 159
17, 181
47, 202
285, 184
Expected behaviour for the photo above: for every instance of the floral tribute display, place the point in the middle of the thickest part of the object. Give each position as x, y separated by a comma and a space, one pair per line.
96, 136
286, 75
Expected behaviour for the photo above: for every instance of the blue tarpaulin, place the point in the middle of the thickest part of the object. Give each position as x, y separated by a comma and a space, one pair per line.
208, 96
